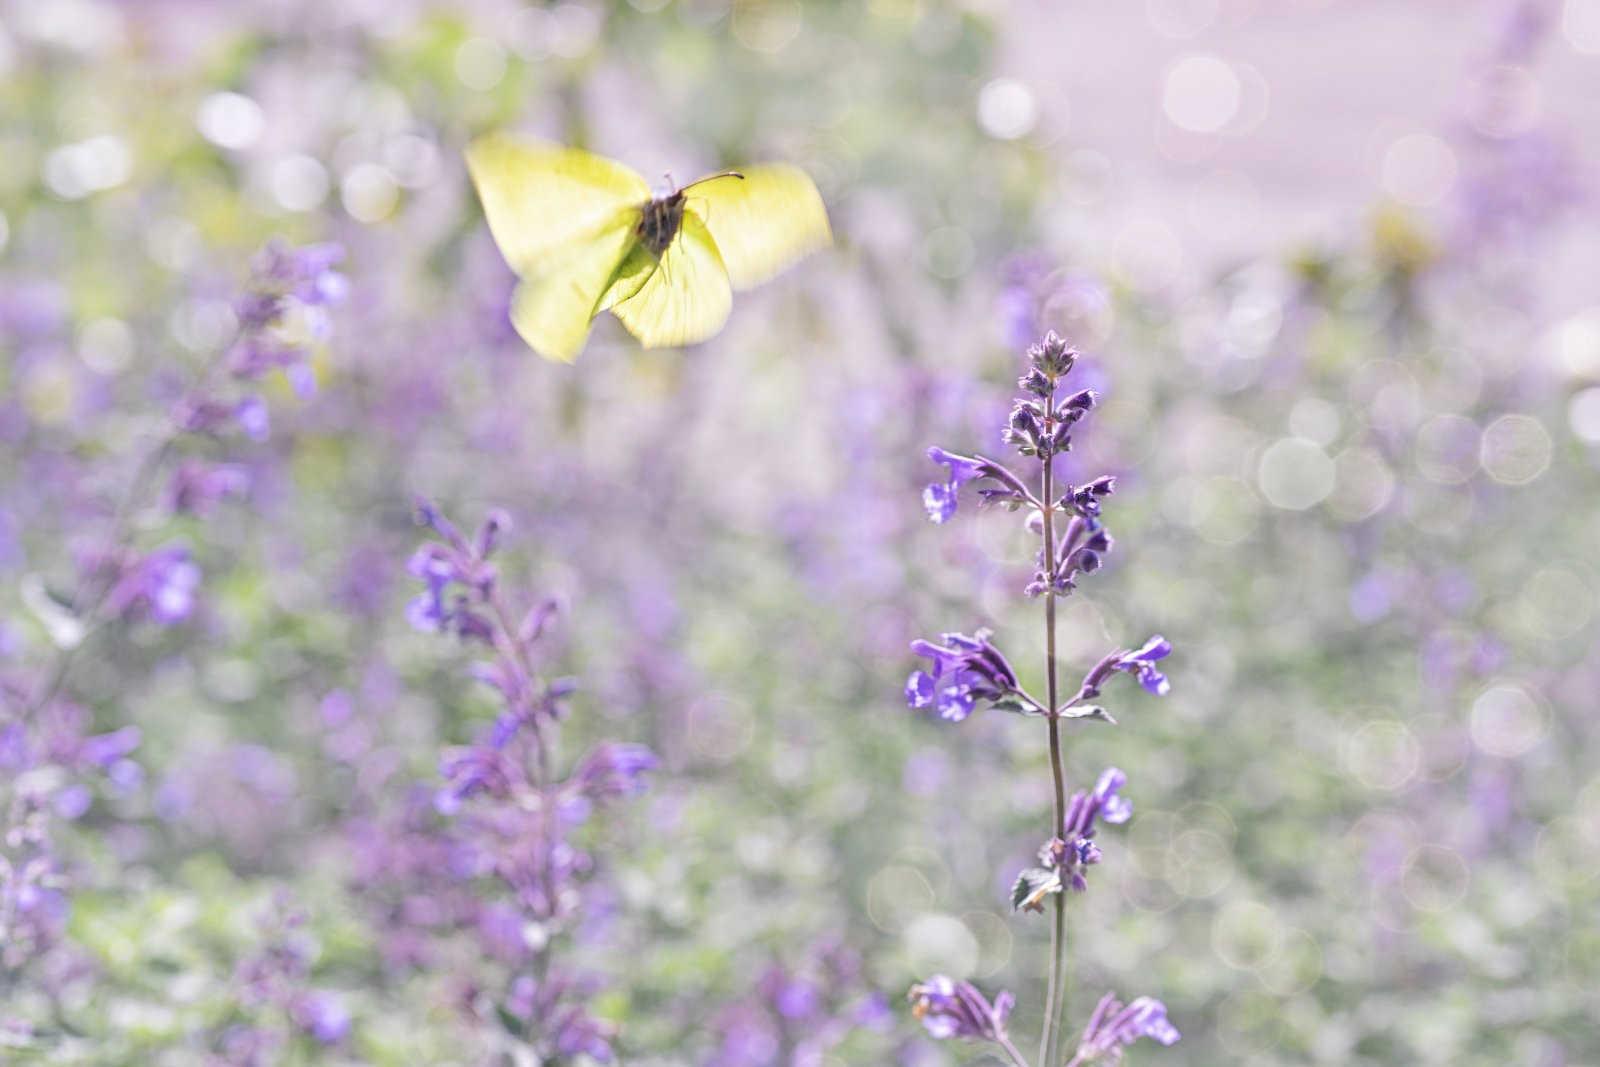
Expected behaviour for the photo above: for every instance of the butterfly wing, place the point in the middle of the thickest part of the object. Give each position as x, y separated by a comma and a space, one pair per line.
765, 222
685, 297
552, 310
542, 199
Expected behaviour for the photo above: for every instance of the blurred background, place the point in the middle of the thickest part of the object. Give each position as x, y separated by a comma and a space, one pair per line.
1332, 264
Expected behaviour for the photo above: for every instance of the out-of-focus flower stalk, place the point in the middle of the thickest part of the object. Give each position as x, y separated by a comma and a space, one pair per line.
513, 812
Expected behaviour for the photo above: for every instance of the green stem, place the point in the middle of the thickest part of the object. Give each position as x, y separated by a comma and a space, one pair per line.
1058, 933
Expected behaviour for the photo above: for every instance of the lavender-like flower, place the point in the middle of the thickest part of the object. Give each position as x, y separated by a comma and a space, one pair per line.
1064, 859
940, 498
956, 1009
966, 670
1115, 1026
512, 815
161, 584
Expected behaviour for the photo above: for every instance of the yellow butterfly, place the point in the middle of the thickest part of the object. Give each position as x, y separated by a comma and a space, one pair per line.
585, 235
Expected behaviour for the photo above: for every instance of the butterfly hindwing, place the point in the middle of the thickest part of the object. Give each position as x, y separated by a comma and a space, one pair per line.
552, 311
541, 200
686, 297
765, 222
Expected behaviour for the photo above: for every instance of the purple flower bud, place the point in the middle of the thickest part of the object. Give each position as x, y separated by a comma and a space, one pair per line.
1052, 355
1079, 402
1035, 382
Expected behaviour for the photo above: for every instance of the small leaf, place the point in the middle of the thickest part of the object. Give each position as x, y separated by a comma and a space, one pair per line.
66, 630
1032, 886
1089, 711
1018, 705
512, 1024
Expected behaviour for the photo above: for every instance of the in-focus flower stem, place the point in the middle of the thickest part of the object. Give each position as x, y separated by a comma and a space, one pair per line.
1058, 935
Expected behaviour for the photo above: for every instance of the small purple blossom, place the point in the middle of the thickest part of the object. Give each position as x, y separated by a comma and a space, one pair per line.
613, 770
941, 498
196, 487
1115, 1026
948, 1008
458, 576
1065, 859
161, 584
1142, 664
322, 1015
964, 671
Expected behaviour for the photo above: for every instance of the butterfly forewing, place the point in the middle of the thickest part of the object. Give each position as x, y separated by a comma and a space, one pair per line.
762, 223
541, 199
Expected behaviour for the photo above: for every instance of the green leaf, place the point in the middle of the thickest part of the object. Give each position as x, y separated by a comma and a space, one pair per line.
1089, 711
1032, 886
1016, 705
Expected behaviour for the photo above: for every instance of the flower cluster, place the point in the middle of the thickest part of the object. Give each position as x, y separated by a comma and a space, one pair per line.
513, 816
798, 1014
282, 314
1064, 859
276, 977
969, 671
964, 671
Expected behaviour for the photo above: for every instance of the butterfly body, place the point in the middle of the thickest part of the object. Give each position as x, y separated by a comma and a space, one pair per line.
585, 236
660, 220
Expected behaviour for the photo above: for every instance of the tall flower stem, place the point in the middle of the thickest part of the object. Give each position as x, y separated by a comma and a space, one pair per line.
1058, 932
967, 672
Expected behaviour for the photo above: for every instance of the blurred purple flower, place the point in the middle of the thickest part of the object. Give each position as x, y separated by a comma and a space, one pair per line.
322, 1015
956, 1009
1113, 1027
161, 584
197, 487
614, 769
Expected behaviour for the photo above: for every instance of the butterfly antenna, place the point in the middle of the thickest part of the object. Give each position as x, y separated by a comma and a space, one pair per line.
715, 177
